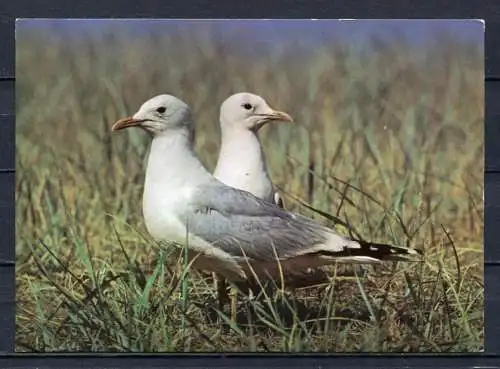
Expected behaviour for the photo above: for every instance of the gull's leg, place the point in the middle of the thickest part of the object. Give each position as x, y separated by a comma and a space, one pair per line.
234, 302
221, 285
215, 281
271, 290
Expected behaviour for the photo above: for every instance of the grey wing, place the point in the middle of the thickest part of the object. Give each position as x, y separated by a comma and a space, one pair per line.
228, 201
241, 224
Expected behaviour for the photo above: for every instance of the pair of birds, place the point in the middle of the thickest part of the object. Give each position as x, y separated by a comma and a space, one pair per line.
232, 222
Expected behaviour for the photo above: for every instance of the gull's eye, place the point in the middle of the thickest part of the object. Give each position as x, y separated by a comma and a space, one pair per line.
161, 109
247, 106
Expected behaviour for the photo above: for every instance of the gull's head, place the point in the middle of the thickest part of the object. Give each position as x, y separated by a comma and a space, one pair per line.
157, 115
249, 111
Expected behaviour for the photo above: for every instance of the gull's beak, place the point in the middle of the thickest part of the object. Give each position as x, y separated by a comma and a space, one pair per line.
278, 116
126, 122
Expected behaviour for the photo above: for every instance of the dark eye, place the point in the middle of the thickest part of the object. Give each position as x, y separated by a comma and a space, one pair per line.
161, 109
247, 106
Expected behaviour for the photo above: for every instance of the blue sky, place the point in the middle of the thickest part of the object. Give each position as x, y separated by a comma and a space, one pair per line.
272, 30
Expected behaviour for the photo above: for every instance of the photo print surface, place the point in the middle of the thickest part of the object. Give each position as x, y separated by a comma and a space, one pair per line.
249, 185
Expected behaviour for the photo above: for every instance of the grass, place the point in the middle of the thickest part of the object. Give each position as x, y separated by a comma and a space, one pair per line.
390, 141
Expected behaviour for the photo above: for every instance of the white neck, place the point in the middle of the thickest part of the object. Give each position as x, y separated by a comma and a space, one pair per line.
241, 162
172, 176
172, 162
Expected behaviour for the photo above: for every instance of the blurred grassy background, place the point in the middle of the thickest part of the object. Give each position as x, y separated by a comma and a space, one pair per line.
398, 120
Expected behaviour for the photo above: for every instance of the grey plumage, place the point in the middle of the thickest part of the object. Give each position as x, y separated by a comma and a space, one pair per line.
243, 225
226, 229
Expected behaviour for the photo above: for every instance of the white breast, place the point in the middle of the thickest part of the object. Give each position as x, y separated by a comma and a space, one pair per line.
163, 224
160, 215
242, 164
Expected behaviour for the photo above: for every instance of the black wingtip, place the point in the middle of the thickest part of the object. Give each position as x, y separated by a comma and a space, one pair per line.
389, 252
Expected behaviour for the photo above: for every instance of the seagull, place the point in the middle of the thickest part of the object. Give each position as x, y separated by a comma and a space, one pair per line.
226, 230
242, 163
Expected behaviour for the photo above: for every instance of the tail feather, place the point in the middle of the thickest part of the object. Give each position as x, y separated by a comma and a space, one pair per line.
370, 252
